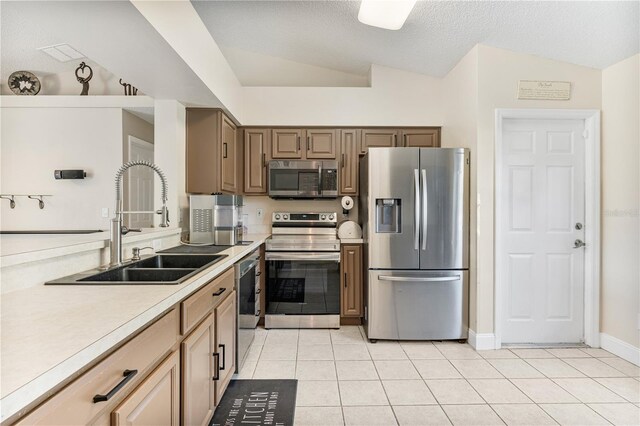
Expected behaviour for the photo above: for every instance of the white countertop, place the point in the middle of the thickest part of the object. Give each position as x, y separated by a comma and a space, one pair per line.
51, 332
351, 241
20, 248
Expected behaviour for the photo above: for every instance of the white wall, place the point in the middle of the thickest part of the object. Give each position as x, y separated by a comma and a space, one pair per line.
620, 303
498, 73
395, 98
37, 141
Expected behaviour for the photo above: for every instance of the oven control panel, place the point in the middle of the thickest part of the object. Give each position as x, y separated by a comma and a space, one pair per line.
304, 218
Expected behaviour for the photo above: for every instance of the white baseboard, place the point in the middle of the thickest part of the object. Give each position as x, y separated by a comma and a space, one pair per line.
617, 347
482, 341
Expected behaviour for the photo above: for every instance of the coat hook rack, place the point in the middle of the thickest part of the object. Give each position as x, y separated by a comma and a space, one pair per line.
11, 198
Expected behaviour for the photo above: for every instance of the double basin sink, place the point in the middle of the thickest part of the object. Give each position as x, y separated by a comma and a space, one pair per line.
159, 269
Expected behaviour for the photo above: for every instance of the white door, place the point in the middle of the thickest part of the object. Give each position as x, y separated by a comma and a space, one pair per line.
140, 184
542, 216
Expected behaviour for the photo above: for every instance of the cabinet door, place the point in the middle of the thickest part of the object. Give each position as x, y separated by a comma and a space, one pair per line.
225, 343
203, 151
228, 136
286, 143
198, 387
256, 145
156, 401
321, 143
351, 268
386, 138
421, 138
349, 162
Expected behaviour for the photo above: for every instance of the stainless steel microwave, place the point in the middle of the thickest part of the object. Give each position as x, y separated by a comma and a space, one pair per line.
303, 179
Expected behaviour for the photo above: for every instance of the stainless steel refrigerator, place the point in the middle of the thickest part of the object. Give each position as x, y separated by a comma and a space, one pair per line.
414, 208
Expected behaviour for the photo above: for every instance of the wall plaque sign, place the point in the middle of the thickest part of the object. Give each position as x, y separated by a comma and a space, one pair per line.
544, 90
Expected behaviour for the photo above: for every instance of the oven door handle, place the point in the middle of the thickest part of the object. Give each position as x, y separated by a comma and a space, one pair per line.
306, 256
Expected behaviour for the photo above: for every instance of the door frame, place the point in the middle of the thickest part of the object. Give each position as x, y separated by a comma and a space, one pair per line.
592, 214
133, 140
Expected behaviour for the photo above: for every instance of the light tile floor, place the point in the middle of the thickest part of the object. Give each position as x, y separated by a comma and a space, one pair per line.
345, 380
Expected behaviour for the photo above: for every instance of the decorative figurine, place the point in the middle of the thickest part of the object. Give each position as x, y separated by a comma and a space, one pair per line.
129, 90
24, 83
84, 80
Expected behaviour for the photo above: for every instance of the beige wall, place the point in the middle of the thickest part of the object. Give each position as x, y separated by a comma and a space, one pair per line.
460, 104
620, 303
498, 73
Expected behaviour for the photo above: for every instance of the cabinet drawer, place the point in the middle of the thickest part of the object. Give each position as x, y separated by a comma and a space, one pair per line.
198, 305
74, 404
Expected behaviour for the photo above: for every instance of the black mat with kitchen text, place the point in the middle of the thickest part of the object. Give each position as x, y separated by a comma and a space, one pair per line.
257, 402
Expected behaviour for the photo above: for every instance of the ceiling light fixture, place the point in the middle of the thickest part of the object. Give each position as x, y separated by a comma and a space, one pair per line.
62, 52
387, 14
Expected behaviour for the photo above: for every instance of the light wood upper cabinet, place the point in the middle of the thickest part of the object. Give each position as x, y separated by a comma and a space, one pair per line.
423, 138
386, 138
229, 156
156, 401
286, 144
351, 280
349, 161
321, 143
256, 146
198, 386
212, 164
225, 344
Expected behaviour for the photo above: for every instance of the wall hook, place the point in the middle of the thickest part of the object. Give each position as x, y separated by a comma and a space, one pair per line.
11, 198
39, 198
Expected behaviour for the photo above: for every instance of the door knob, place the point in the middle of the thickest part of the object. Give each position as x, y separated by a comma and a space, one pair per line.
578, 243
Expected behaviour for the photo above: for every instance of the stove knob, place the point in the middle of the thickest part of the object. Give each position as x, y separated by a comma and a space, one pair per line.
323, 217
277, 217
285, 216
331, 217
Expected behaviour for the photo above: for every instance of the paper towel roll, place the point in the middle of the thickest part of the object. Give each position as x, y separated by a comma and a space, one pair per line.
347, 202
349, 229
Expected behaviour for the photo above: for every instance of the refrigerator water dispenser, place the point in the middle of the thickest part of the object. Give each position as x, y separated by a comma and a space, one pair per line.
388, 214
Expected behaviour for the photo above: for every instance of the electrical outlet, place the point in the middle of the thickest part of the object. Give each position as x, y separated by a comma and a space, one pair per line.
157, 245
260, 212
105, 212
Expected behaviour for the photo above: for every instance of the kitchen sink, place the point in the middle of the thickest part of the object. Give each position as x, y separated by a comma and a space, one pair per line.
162, 269
176, 261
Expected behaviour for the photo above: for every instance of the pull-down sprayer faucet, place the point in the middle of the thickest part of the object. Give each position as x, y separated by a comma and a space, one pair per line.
115, 247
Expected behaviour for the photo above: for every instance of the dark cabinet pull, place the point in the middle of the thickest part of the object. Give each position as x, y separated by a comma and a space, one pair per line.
224, 150
216, 356
128, 375
405, 140
345, 280
219, 292
343, 160
298, 143
224, 356
395, 140
308, 143
264, 160
259, 291
258, 314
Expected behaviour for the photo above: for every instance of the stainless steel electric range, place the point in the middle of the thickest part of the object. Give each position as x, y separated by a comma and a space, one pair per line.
303, 271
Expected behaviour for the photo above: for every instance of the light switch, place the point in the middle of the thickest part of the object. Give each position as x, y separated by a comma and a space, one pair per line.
105, 212
260, 213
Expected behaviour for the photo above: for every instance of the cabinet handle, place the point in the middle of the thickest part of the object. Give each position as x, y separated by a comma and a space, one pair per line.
224, 356
345, 280
259, 291
298, 143
258, 314
343, 160
224, 150
405, 140
395, 140
264, 160
128, 375
216, 376
308, 143
258, 273
219, 292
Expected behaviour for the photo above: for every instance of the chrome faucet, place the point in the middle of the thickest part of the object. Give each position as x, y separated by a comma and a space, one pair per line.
117, 228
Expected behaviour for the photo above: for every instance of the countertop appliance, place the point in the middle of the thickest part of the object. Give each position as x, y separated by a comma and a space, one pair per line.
303, 179
215, 219
248, 288
415, 210
303, 271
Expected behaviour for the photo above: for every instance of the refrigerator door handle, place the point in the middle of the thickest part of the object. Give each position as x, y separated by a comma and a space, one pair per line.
416, 218
418, 279
424, 209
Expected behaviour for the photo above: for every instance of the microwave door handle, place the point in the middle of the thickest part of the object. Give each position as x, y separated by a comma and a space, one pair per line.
320, 179
417, 201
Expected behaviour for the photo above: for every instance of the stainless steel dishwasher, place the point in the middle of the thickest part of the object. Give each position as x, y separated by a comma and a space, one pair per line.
248, 286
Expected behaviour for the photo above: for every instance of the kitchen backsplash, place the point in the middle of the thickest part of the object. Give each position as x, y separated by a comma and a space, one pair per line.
269, 205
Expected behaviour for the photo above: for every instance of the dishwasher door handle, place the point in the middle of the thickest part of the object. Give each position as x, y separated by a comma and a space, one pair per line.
419, 279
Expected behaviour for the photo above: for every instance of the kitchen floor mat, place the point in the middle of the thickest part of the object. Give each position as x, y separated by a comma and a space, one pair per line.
257, 402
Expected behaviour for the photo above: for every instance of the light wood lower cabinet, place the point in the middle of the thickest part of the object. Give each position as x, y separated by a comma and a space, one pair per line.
156, 401
351, 288
198, 386
225, 343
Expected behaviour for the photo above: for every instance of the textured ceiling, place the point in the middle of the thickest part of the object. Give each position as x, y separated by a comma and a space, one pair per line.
435, 37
